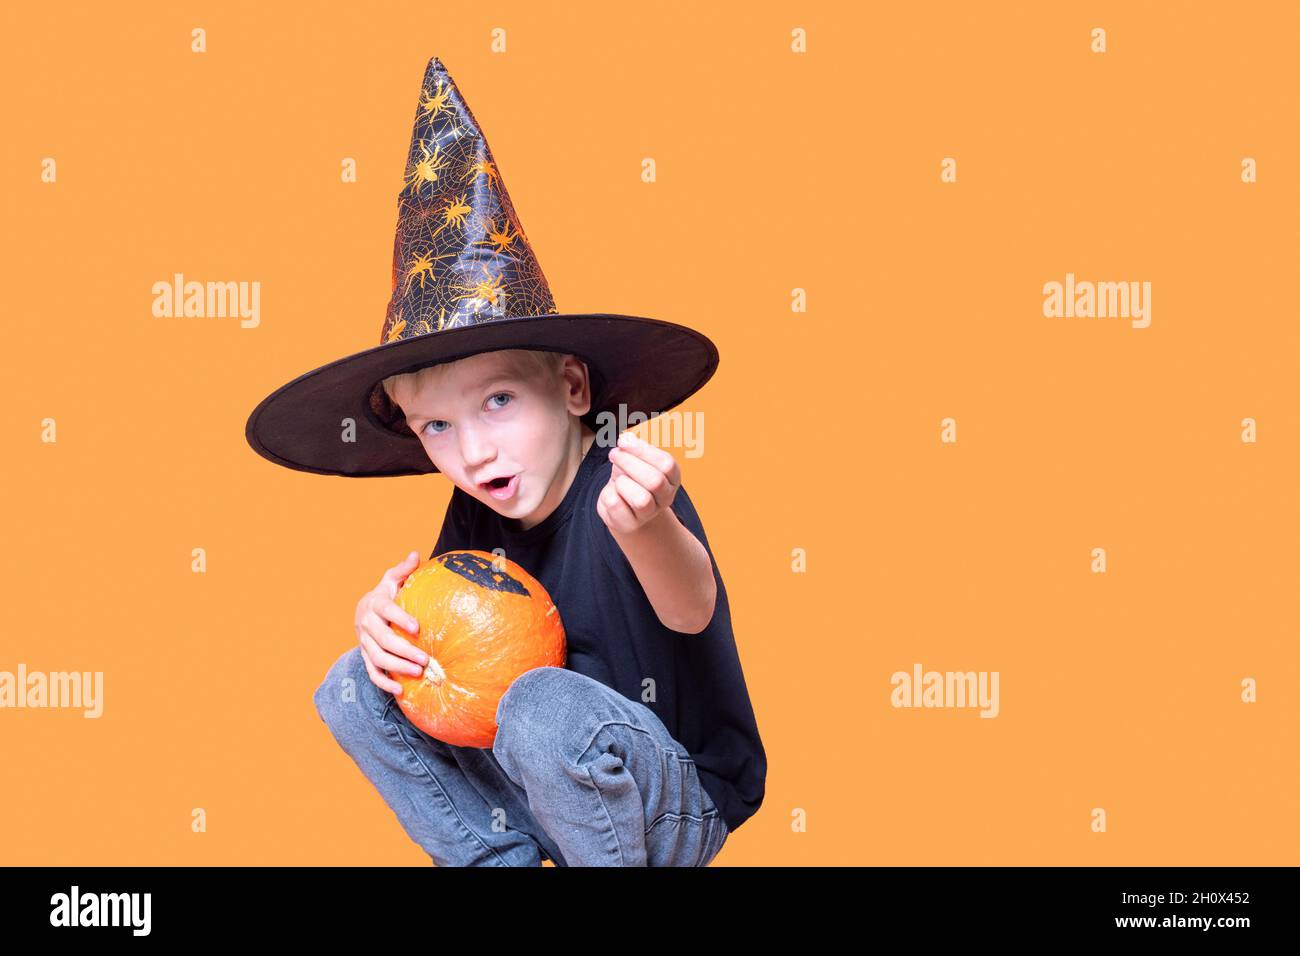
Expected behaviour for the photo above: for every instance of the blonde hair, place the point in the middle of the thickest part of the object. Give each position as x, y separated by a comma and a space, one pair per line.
526, 360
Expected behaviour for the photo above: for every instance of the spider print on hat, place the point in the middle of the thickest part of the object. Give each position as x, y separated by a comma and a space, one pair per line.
461, 255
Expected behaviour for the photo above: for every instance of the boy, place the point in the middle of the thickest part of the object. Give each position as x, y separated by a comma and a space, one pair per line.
581, 772
643, 749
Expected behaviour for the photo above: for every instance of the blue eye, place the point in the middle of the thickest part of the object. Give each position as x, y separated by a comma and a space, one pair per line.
438, 431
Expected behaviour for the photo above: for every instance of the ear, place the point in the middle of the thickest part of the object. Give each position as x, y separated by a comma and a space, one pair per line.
577, 385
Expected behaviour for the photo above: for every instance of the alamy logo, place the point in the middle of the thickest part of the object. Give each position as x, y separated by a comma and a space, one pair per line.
181, 299
666, 429
84, 689
102, 909
1098, 300
946, 689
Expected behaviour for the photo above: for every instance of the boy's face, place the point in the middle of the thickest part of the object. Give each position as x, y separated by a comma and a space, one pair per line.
491, 416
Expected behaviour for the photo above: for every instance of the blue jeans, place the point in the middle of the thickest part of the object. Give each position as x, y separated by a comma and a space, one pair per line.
578, 774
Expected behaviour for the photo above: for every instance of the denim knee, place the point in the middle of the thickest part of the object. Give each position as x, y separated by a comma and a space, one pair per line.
549, 712
347, 694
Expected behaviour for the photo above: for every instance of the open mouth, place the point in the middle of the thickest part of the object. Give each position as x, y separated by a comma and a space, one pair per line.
501, 487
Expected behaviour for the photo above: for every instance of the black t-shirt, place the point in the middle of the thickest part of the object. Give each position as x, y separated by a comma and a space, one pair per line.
614, 636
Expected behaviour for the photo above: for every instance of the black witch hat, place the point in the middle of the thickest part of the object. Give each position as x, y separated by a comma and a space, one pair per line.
465, 280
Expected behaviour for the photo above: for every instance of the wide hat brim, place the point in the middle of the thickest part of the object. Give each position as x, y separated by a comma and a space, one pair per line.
636, 364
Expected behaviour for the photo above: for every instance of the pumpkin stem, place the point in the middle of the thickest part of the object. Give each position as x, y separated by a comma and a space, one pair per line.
433, 672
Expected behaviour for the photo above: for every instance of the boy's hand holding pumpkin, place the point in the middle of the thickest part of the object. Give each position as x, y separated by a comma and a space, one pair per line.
380, 646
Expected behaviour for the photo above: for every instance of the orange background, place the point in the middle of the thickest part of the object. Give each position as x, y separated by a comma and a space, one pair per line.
776, 171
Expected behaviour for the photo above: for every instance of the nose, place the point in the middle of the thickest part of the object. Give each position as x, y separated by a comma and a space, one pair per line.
475, 449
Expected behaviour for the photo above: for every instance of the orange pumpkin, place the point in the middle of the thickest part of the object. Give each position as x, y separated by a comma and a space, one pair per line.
482, 625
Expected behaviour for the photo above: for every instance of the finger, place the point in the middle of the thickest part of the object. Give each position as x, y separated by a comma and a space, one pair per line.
398, 571
603, 509
615, 514
619, 514
391, 652
397, 645
653, 455
646, 475
392, 666
637, 498
392, 611
378, 679
404, 566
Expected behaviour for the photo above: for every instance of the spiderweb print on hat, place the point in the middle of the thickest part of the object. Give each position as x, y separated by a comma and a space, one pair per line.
460, 255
